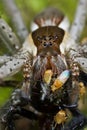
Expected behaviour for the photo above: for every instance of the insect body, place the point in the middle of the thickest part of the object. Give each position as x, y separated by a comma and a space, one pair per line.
51, 81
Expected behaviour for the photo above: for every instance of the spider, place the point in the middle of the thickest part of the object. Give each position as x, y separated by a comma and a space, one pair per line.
54, 71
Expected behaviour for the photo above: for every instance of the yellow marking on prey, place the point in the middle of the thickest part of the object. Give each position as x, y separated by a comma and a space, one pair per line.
60, 117
47, 76
56, 85
82, 89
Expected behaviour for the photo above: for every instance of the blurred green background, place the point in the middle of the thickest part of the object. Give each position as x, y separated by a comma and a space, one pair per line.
29, 8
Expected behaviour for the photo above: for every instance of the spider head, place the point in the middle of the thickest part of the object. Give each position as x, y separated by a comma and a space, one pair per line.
47, 40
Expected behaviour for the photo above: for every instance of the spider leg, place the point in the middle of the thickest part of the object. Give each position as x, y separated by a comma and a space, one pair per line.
16, 19
5, 58
11, 67
78, 54
15, 63
77, 27
8, 37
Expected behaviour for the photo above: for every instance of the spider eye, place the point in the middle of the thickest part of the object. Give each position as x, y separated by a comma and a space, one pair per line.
50, 44
44, 44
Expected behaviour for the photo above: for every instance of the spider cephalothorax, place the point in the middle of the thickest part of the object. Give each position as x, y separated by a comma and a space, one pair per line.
48, 40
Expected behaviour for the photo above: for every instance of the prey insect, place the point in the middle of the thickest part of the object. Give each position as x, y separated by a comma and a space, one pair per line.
53, 78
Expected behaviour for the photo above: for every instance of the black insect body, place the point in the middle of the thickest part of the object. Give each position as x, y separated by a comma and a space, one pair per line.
52, 84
